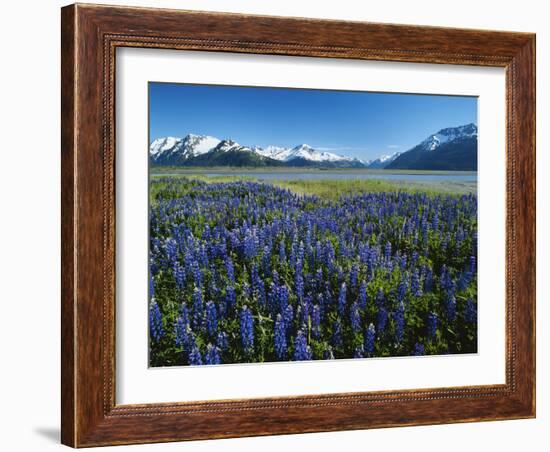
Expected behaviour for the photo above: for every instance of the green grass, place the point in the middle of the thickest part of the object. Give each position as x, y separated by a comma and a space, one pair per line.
332, 189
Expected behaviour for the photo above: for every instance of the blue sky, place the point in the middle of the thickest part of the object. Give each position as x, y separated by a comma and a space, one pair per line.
357, 124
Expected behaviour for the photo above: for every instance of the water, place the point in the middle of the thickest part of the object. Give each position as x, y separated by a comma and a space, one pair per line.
340, 175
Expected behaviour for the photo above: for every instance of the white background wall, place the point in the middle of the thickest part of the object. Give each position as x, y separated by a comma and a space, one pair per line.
29, 225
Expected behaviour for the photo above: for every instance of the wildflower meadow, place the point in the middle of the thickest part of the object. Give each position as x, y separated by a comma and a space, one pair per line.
244, 271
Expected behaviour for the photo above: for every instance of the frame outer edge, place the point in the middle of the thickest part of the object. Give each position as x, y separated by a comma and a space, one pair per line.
525, 61
86, 419
68, 230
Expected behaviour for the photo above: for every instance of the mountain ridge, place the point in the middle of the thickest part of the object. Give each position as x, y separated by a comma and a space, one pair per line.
453, 148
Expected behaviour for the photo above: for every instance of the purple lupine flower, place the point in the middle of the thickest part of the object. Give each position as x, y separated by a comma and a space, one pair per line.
342, 300
318, 252
230, 298
387, 251
156, 324
288, 317
282, 295
197, 274
282, 252
222, 342
316, 322
249, 247
171, 250
151, 286
354, 276
319, 279
470, 311
418, 349
370, 336
246, 289
182, 331
211, 319
428, 281
435, 222
399, 318
254, 276
362, 297
473, 266
381, 320
416, 288
432, 324
195, 357
230, 269
259, 290
424, 228
302, 351
450, 307
299, 281
329, 255
337, 339
266, 261
301, 252
247, 329
380, 298
359, 352
198, 310
402, 290
212, 355
355, 318
414, 258
464, 280
280, 338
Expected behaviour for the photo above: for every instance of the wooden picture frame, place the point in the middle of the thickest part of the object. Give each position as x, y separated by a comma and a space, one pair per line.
90, 35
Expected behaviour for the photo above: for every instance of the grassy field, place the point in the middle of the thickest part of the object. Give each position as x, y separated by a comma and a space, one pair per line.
334, 188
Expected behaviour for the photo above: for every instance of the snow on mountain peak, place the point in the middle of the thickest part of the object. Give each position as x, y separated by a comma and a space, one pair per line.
305, 151
174, 150
161, 145
383, 161
384, 158
200, 144
449, 134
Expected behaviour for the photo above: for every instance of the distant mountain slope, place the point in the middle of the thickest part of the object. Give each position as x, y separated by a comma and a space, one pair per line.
229, 153
383, 161
453, 148
177, 151
198, 150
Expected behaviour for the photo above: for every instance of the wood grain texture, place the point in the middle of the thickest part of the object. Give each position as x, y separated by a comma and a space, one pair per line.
90, 36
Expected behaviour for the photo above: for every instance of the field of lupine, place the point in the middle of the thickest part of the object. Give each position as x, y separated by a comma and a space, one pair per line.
245, 271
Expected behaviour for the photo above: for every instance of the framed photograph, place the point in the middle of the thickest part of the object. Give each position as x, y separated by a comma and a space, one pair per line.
281, 225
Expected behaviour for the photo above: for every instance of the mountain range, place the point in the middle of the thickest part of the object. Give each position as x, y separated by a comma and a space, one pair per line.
452, 148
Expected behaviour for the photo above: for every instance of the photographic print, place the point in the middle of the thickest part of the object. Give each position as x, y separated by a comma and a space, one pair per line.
292, 224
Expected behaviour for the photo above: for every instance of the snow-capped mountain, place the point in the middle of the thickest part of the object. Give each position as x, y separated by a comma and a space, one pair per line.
175, 151
273, 152
450, 134
302, 151
182, 151
454, 148
161, 145
230, 145
450, 148
383, 161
